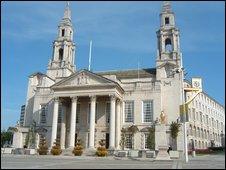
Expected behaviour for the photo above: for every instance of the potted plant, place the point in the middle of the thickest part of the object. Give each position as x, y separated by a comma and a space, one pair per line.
43, 148
101, 151
56, 150
78, 149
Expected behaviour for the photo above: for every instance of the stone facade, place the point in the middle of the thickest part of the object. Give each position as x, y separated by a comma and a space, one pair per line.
69, 104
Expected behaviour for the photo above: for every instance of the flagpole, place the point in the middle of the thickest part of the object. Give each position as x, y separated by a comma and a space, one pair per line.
90, 51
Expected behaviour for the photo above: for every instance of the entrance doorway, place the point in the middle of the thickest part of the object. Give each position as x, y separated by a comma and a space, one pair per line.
76, 136
107, 140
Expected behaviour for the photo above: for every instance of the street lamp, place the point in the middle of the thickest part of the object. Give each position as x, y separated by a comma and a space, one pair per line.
196, 87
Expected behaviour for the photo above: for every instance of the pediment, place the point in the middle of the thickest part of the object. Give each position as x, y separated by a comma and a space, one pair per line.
84, 78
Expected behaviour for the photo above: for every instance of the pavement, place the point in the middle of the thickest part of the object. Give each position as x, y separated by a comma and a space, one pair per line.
9, 161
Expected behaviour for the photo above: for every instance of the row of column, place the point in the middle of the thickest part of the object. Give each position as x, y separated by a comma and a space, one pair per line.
114, 129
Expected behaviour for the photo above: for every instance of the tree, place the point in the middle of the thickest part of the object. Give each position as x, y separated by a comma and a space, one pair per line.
151, 138
133, 129
123, 138
56, 150
174, 129
78, 148
102, 151
43, 148
6, 137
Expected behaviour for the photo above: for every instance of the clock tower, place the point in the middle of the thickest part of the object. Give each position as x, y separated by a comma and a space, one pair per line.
62, 63
168, 44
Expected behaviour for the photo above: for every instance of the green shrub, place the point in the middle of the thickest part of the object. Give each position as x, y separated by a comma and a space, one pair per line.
174, 129
102, 151
151, 138
43, 148
78, 149
56, 150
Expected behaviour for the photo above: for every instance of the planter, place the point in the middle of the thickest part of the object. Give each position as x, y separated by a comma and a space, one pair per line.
30, 151
174, 154
121, 153
193, 154
133, 153
19, 151
150, 154
7, 150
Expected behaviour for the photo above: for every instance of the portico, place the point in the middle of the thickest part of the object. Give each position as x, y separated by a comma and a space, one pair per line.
87, 90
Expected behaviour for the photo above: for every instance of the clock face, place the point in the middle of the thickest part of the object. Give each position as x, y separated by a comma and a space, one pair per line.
196, 84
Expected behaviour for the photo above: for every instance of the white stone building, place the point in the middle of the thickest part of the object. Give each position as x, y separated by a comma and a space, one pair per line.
68, 104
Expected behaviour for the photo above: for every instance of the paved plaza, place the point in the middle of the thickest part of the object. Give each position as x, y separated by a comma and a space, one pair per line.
70, 162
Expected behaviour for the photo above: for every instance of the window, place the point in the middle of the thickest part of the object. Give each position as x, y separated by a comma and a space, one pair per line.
88, 115
129, 140
60, 112
147, 111
107, 112
22, 112
146, 141
61, 52
78, 112
63, 32
96, 113
129, 109
44, 110
167, 21
193, 111
200, 117
168, 45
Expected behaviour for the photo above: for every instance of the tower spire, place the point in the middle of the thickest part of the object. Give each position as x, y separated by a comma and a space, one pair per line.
67, 12
166, 7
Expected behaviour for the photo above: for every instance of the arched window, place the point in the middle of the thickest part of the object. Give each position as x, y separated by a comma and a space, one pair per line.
61, 52
168, 45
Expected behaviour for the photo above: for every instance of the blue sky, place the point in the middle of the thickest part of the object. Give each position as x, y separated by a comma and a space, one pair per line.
120, 31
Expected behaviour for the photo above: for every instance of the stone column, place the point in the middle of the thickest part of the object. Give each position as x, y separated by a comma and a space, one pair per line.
92, 122
55, 56
65, 51
55, 119
63, 127
37, 140
73, 121
112, 123
117, 123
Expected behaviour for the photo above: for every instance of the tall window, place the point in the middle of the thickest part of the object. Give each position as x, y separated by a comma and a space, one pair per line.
129, 111
78, 112
129, 141
63, 32
60, 112
200, 116
107, 112
61, 52
147, 111
193, 111
146, 140
97, 113
168, 45
44, 110
22, 115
